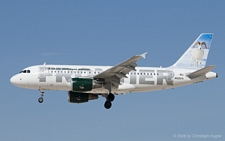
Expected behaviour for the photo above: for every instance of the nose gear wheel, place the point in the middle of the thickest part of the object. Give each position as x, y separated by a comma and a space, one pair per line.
40, 100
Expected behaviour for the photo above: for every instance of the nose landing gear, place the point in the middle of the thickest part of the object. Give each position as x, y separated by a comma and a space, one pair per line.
40, 100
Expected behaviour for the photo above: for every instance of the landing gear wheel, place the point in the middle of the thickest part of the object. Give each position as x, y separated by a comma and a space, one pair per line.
40, 100
110, 97
108, 104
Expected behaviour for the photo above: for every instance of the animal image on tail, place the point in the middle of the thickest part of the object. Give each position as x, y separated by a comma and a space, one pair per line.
198, 54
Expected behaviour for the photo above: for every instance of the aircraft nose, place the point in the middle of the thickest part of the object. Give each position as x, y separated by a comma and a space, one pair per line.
13, 80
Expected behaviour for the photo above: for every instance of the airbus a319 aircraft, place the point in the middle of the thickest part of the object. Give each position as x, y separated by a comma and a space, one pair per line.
85, 83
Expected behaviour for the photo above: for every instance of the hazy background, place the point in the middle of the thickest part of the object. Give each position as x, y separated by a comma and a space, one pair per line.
107, 33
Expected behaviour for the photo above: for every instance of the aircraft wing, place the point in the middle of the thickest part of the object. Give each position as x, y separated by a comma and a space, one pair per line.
115, 73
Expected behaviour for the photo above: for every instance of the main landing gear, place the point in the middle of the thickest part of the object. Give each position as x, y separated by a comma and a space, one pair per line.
110, 97
109, 100
40, 100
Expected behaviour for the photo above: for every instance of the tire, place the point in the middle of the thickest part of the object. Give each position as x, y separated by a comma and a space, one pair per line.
40, 100
110, 97
108, 104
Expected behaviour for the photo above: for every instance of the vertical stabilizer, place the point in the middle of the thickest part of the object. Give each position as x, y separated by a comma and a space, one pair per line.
196, 55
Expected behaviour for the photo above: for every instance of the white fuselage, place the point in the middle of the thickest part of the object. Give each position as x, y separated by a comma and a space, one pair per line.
58, 77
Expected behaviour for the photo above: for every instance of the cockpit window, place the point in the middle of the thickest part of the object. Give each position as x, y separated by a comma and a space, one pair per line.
25, 71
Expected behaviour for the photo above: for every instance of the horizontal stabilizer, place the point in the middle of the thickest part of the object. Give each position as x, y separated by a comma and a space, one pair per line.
200, 72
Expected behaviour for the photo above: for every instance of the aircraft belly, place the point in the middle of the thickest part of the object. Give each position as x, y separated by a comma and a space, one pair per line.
144, 88
126, 86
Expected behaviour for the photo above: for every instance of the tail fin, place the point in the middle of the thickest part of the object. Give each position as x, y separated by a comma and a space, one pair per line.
196, 55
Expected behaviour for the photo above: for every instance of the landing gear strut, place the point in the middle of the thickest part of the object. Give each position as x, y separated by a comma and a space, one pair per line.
40, 100
110, 97
109, 100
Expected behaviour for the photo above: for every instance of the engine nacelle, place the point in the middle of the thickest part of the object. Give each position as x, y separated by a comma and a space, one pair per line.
75, 97
82, 84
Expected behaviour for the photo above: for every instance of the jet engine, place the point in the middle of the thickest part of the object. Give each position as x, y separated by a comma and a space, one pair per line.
76, 97
84, 84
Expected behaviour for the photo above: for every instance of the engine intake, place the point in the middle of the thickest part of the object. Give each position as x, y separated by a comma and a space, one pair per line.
75, 97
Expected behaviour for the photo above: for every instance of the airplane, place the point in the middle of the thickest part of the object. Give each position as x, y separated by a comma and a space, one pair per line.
85, 83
